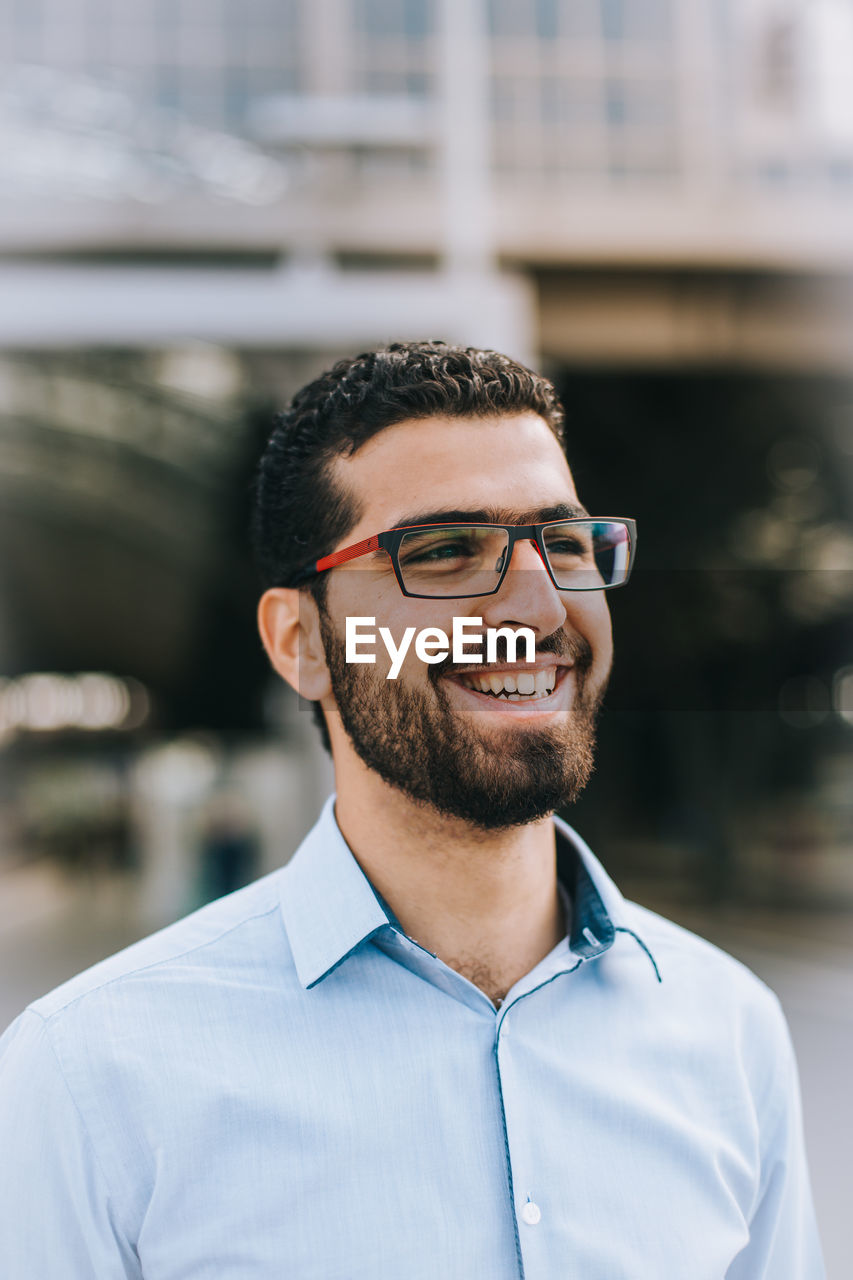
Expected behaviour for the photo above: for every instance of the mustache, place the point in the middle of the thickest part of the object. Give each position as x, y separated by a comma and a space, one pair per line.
558, 644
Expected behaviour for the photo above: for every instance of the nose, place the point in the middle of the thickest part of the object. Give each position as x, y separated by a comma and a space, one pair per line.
527, 597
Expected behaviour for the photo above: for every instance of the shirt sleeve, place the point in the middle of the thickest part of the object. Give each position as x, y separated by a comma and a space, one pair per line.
783, 1243
57, 1217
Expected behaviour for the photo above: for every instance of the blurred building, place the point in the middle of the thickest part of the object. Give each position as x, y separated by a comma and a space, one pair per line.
202, 202
557, 150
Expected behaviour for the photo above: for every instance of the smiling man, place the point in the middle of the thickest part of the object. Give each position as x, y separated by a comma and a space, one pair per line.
438, 1044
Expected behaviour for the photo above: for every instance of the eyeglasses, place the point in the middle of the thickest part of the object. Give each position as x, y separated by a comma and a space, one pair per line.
458, 561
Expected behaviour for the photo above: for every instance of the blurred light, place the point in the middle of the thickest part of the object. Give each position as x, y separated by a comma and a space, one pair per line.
200, 370
761, 538
46, 702
842, 694
798, 508
804, 702
793, 464
822, 555
180, 772
50, 702
140, 704
829, 547
105, 702
826, 589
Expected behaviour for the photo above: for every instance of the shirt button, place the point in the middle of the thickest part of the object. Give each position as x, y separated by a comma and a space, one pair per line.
531, 1213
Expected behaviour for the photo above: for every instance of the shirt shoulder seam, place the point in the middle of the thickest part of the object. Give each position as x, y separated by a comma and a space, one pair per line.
47, 1018
660, 929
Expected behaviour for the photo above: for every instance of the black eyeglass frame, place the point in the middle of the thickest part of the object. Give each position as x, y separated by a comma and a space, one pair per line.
391, 540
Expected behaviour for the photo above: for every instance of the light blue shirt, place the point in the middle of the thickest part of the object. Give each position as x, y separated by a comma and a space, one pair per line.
285, 1087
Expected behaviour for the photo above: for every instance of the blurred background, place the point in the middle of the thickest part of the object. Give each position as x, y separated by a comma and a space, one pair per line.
205, 202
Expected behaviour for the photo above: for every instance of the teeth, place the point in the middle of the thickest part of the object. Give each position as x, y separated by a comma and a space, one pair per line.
527, 684
545, 681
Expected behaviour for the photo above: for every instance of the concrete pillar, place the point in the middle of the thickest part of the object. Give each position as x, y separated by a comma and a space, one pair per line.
327, 44
464, 147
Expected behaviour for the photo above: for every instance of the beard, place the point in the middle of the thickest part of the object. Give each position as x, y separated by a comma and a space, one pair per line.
416, 742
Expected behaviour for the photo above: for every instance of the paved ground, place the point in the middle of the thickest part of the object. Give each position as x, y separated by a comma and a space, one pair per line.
50, 929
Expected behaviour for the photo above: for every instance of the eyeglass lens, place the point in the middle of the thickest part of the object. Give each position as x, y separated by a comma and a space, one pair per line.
458, 560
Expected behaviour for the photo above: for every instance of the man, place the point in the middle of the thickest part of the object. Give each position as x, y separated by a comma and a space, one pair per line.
437, 1044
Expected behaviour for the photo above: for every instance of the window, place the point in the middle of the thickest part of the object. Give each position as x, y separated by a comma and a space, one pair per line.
547, 18
569, 101
410, 18
636, 20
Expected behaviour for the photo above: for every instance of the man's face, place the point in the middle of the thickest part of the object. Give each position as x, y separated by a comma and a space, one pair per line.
434, 732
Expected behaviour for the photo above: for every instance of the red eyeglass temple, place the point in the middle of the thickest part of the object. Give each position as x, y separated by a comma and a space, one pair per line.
348, 553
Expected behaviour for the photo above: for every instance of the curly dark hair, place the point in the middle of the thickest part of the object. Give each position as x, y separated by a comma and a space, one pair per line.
300, 513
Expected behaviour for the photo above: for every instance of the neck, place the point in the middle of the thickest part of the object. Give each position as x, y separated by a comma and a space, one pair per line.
485, 902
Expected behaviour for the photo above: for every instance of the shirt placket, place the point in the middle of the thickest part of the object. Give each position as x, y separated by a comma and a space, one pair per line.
531, 1200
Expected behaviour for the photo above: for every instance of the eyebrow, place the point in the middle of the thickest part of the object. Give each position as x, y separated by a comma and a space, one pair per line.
491, 515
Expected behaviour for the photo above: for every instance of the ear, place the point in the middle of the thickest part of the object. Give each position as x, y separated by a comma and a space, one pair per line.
290, 630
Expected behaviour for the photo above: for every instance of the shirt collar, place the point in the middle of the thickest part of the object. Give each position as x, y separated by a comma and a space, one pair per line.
327, 901
597, 905
330, 907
